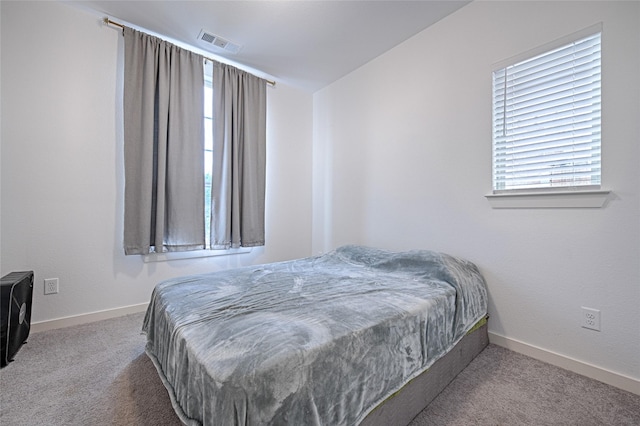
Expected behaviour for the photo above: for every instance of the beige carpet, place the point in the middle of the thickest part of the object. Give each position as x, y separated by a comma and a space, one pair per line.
98, 374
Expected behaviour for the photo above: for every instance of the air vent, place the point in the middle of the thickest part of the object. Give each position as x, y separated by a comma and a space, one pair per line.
207, 37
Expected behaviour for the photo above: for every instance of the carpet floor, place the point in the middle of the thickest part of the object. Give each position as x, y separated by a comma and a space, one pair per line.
98, 374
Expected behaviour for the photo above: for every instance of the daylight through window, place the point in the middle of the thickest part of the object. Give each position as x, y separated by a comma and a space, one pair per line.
208, 154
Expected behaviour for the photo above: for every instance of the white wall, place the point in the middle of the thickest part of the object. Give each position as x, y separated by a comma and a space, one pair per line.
62, 174
402, 159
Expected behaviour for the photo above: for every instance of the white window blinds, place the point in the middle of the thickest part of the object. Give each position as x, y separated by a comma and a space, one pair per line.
546, 119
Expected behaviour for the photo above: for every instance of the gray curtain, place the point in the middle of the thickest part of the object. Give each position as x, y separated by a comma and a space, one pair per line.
163, 146
239, 147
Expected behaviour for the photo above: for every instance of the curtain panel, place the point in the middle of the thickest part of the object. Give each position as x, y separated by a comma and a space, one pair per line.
163, 146
239, 147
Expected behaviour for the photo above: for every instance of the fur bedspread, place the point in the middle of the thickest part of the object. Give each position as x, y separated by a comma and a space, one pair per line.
320, 340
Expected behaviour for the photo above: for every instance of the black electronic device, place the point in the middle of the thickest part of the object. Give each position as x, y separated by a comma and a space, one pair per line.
16, 294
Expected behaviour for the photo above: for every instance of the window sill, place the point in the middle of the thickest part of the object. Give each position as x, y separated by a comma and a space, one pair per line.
195, 254
549, 200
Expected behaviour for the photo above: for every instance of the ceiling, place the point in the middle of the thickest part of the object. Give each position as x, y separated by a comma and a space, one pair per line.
305, 44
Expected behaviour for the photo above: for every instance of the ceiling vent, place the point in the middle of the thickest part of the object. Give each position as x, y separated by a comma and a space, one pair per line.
207, 37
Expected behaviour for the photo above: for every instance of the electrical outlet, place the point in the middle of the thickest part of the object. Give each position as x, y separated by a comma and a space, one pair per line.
591, 318
51, 286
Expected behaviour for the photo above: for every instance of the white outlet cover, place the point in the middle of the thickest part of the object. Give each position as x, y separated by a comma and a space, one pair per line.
591, 318
51, 286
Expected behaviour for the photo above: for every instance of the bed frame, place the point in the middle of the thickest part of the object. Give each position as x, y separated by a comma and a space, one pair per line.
414, 397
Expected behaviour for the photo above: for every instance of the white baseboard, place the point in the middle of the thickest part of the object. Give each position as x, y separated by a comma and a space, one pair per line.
86, 318
618, 380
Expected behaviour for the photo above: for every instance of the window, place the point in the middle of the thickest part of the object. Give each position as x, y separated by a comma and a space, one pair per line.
208, 151
546, 118
164, 119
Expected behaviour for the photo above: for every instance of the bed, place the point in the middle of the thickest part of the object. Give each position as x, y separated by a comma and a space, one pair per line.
354, 336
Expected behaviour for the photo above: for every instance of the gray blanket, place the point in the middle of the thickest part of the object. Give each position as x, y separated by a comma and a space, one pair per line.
320, 340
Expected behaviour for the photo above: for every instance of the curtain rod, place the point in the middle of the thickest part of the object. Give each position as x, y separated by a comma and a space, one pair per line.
108, 21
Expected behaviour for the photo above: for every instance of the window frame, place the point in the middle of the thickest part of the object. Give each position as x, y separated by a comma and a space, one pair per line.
589, 196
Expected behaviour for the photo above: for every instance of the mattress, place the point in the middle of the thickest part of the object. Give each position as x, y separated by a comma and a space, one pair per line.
320, 340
